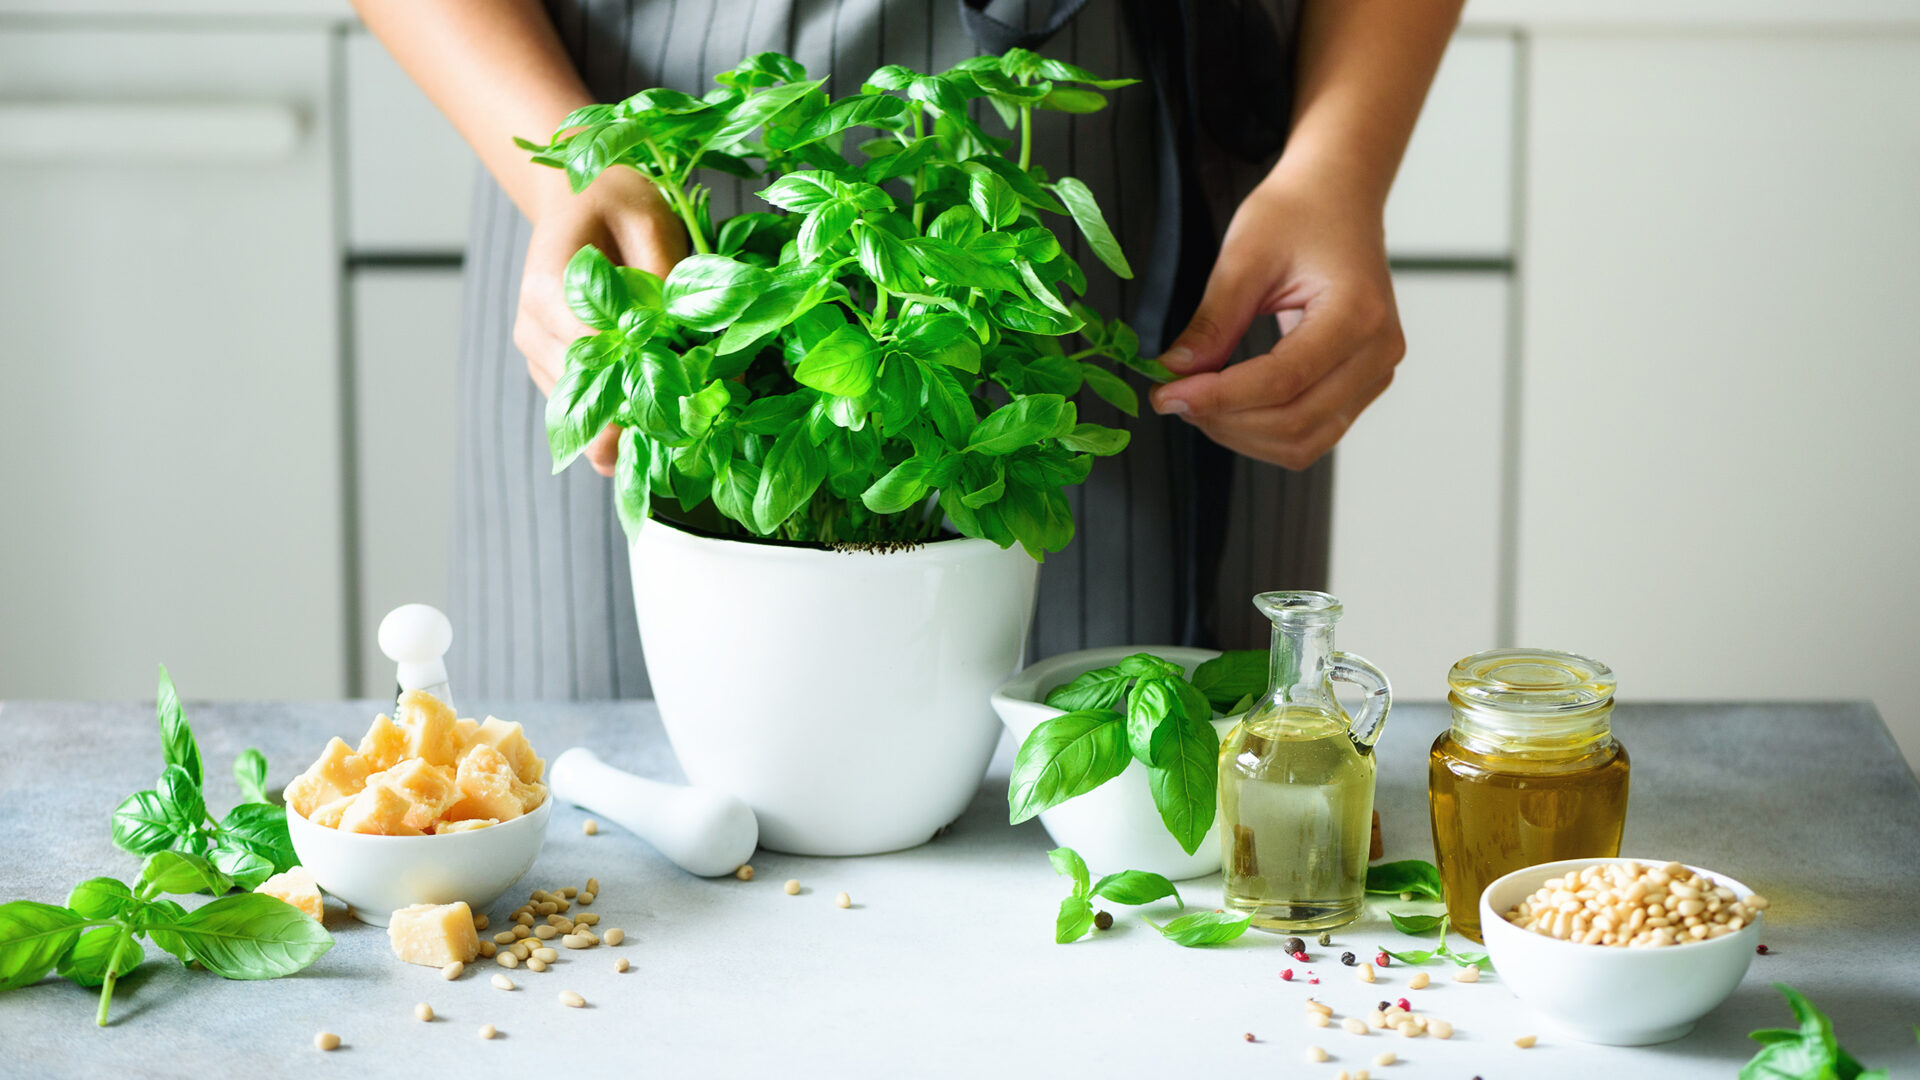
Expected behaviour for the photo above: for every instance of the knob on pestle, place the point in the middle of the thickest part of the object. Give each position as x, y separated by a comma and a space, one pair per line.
706, 832
416, 638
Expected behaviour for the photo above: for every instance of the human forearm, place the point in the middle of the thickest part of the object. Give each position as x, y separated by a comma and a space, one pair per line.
496, 69
1364, 69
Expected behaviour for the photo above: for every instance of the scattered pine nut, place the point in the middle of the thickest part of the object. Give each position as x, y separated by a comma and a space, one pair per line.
1361, 1075
593, 886
1440, 1029
621, 964
507, 960
793, 886
501, 982
536, 964
1341, 1075
546, 955
561, 905
1469, 974
1314, 1053
587, 897
545, 907
1355, 1025
504, 937
538, 895
560, 921
569, 893
1418, 982
1408, 1029
521, 931
575, 941
326, 1040
842, 900
1385, 1059
572, 1000
521, 950
480, 922
487, 949
1377, 1019
1525, 1041
745, 873
423, 1012
545, 933
487, 1031
1318, 1019
1366, 973
1320, 1007
586, 918
615, 936
452, 971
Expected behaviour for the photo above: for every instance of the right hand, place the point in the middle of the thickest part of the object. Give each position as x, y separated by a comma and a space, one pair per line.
623, 215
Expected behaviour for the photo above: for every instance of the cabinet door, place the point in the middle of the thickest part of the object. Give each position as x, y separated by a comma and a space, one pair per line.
1417, 489
1454, 195
170, 431
405, 333
409, 174
1721, 466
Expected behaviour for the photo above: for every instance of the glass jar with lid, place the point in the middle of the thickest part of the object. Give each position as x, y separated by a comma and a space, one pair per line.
1529, 772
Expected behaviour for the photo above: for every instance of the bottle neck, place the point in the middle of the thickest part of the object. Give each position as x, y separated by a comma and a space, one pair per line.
1297, 664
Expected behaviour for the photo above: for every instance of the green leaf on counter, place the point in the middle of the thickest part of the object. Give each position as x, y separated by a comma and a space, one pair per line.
1069, 755
1068, 861
178, 872
250, 936
1074, 920
176, 737
102, 950
1136, 887
181, 797
101, 898
153, 920
1203, 927
1417, 924
1414, 958
33, 938
250, 772
1810, 1053
1406, 876
142, 824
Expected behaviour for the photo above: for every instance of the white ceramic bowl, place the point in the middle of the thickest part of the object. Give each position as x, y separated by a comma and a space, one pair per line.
378, 875
1114, 826
1610, 995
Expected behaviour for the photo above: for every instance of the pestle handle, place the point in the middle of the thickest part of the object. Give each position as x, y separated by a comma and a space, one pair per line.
708, 833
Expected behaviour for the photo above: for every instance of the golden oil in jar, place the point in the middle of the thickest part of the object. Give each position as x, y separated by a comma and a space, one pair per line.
1529, 772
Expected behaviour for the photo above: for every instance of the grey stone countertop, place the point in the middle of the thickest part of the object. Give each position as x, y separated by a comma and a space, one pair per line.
945, 965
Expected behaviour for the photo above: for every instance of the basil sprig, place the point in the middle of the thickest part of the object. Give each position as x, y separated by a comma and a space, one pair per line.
1809, 1053
1130, 887
96, 938
1416, 925
1142, 709
248, 846
889, 350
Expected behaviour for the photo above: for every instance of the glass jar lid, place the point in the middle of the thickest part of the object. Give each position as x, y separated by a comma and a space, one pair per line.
1531, 682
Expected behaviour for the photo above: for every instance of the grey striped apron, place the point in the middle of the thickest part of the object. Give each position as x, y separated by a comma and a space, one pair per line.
540, 593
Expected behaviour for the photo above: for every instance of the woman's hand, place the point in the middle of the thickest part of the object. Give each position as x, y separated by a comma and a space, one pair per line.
1300, 249
623, 215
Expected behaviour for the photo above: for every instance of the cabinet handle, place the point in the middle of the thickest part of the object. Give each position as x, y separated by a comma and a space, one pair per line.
68, 132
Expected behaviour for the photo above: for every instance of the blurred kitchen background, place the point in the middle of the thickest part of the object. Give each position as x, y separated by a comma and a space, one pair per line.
1656, 261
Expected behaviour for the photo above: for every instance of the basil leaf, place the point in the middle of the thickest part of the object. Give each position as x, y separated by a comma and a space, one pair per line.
1136, 887
101, 898
176, 737
1041, 520
1074, 920
1147, 664
1479, 960
632, 493
1101, 688
1419, 957
262, 829
903, 486
582, 403
142, 824
1112, 388
885, 259
1149, 705
179, 872
865, 110
957, 224
655, 402
790, 293
843, 363
792, 472
1232, 675
1406, 876
706, 292
1068, 862
1203, 928
1417, 924
99, 951
1184, 780
1096, 440
1022, 423
244, 867
154, 918
757, 110
181, 797
801, 192
250, 936
595, 294
822, 227
1093, 225
991, 197
1069, 755
250, 772
33, 938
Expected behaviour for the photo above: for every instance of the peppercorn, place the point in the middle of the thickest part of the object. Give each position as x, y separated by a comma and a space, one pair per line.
1287, 975
1301, 956
1102, 920
1403, 1004
1382, 959
1295, 945
1347, 959
1250, 1036
1326, 939
1762, 950
1383, 1006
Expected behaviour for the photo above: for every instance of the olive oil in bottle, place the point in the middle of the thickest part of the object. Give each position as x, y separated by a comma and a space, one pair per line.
1296, 781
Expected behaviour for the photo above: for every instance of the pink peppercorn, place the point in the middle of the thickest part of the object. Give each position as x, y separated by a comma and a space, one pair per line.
1403, 1004
1301, 956
1762, 950
1287, 975
1315, 981
1382, 959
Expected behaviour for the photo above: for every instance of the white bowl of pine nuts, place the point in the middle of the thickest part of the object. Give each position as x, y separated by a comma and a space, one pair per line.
1631, 984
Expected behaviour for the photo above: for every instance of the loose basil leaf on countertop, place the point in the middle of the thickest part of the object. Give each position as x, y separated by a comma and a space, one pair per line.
1074, 920
1406, 876
33, 938
176, 737
1810, 1053
142, 824
250, 936
99, 951
178, 872
1068, 861
1416, 924
1136, 887
250, 772
101, 898
1203, 927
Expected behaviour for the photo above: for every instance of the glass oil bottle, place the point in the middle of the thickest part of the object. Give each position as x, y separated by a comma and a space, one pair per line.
1297, 774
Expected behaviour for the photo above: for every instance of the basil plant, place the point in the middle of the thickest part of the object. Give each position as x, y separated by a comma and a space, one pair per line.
888, 348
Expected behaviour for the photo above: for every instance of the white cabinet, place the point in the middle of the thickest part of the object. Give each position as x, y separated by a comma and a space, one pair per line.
1417, 489
170, 450
1453, 198
1720, 487
405, 331
409, 175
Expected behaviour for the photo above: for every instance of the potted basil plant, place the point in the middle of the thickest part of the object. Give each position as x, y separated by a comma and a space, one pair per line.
847, 424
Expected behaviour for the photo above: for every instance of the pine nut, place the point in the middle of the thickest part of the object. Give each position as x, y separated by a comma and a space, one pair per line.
572, 1000
1376, 1018
507, 960
621, 964
544, 933
745, 873
326, 1040
1318, 1019
1467, 975
1320, 1007
520, 950
1387, 1058
1418, 982
569, 893
1354, 1025
615, 936
525, 918
1366, 973
521, 931
480, 922
560, 921
423, 1012
536, 964
587, 897
593, 886
487, 1031
562, 905
548, 955
793, 886
1394, 1015
575, 941
487, 949
545, 907
452, 971
501, 982
1408, 1029
504, 937
1525, 1041
842, 900
1314, 1053
586, 918
1341, 1075
1440, 1029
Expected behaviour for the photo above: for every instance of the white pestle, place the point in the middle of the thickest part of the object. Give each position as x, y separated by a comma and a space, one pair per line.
708, 833
416, 638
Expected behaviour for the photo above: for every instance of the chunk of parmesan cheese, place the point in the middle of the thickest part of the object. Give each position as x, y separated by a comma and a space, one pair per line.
296, 887
434, 935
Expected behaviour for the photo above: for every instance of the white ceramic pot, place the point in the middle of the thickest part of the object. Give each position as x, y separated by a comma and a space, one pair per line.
843, 695
1605, 994
1115, 826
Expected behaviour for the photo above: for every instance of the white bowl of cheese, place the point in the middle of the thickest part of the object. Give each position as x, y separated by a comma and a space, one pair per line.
378, 875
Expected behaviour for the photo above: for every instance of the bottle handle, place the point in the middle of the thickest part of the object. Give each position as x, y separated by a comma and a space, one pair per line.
1364, 728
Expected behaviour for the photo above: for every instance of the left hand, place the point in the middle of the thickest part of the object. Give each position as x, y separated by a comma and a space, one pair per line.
1316, 260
